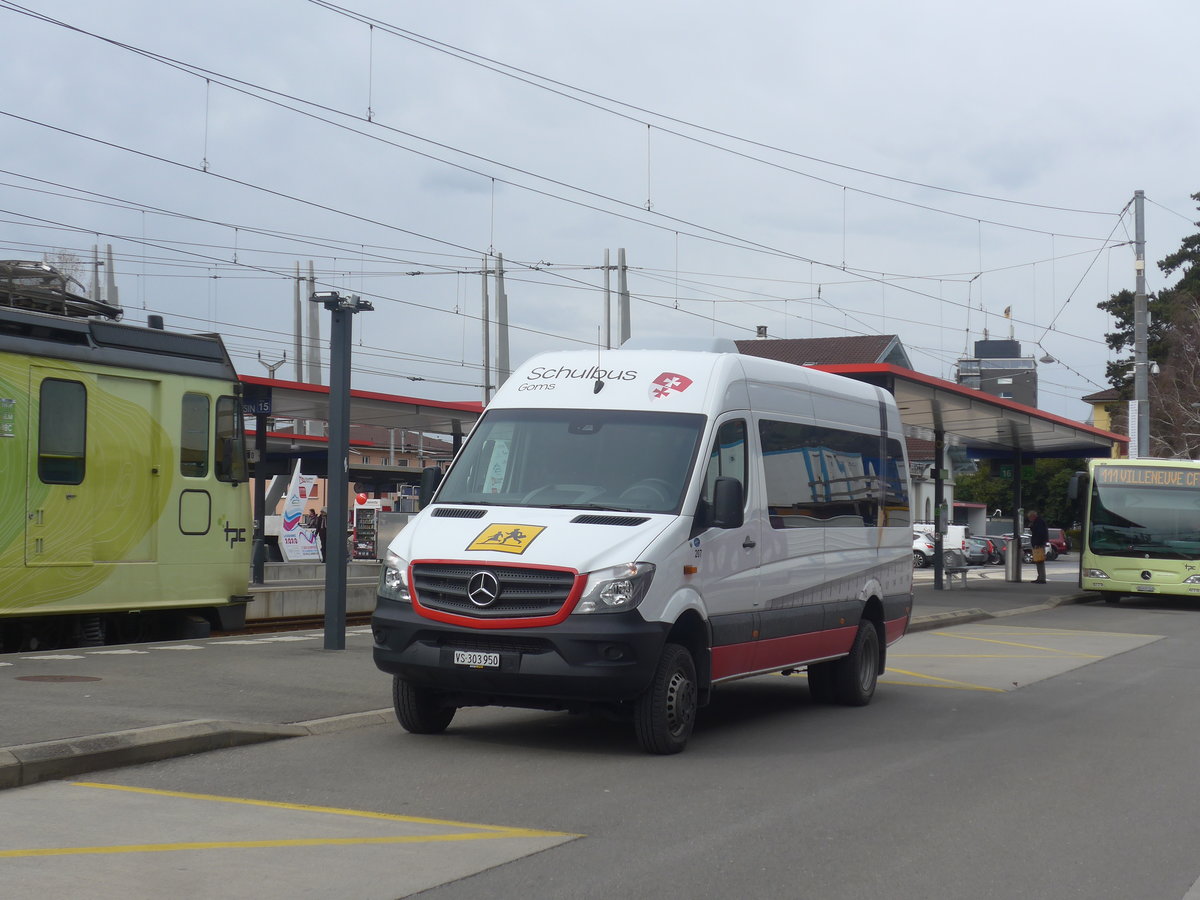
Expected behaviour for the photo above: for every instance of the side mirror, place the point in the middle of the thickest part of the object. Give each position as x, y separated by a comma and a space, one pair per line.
1077, 487
729, 501
431, 477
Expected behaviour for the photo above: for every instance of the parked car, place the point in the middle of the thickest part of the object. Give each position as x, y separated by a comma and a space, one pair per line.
994, 547
922, 550
979, 549
1027, 553
1060, 541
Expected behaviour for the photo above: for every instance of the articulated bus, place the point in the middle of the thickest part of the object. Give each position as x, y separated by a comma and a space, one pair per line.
1141, 527
124, 499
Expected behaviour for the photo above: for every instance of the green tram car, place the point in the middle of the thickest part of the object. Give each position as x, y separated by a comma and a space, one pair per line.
124, 497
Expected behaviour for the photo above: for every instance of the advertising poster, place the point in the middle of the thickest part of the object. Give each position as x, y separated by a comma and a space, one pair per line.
298, 542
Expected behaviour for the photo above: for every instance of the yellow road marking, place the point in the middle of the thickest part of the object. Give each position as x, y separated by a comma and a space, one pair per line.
966, 656
331, 810
251, 845
1054, 650
474, 833
944, 682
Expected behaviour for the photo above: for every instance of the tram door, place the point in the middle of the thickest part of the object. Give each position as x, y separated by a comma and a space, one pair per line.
130, 496
58, 515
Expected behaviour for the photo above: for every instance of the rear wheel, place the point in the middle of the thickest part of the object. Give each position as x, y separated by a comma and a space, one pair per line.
665, 715
857, 673
920, 560
419, 709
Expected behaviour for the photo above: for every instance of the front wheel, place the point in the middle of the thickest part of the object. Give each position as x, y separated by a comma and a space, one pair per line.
419, 709
821, 681
920, 560
665, 715
857, 673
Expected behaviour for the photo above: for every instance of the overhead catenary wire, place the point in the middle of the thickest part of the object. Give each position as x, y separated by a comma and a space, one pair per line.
424, 236
562, 89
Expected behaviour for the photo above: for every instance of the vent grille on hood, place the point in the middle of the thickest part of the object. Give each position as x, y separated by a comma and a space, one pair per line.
608, 520
447, 512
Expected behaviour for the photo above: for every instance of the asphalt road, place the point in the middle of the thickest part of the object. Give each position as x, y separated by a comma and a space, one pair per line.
1048, 781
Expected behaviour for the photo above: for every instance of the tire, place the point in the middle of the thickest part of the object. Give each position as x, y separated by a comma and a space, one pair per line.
995, 559
820, 682
1026, 556
418, 709
856, 675
1051, 554
665, 715
920, 560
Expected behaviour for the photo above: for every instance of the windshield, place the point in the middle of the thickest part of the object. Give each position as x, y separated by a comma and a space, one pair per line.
1146, 512
586, 459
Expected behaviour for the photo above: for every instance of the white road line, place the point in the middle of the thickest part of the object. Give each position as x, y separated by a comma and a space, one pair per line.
282, 638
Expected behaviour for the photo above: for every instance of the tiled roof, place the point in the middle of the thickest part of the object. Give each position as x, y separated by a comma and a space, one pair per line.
869, 348
1109, 395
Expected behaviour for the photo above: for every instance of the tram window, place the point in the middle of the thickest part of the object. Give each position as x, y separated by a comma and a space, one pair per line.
231, 441
193, 436
62, 432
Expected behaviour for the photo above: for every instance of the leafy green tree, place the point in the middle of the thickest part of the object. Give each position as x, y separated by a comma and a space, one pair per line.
1173, 342
1044, 490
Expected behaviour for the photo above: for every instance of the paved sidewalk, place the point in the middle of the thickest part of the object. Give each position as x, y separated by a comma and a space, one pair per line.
66, 712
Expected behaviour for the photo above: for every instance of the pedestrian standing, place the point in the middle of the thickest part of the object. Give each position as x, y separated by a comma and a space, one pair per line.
322, 528
1039, 534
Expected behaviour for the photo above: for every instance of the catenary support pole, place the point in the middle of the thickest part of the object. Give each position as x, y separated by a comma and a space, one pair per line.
1141, 362
939, 498
342, 311
607, 303
487, 343
623, 326
258, 559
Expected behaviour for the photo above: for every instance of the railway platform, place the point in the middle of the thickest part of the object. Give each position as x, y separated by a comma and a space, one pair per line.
67, 712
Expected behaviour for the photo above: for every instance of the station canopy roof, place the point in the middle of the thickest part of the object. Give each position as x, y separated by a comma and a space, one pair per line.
987, 427
297, 400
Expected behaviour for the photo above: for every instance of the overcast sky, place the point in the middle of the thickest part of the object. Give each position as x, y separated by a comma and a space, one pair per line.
822, 169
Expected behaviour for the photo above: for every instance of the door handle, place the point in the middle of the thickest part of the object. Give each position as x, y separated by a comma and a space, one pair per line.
748, 543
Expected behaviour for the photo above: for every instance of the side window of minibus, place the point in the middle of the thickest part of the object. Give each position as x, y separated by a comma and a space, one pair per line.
727, 457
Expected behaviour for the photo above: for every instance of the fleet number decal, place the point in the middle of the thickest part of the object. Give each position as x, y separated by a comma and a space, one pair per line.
506, 538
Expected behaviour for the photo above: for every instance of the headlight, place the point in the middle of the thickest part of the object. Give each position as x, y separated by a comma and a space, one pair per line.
616, 589
1094, 573
1192, 579
393, 578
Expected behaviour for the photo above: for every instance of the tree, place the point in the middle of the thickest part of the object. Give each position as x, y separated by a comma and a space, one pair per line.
1045, 490
1172, 341
1175, 392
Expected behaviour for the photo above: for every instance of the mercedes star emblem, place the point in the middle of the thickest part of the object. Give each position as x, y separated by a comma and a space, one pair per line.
483, 589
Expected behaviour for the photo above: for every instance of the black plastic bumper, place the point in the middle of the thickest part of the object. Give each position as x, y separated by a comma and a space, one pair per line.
601, 658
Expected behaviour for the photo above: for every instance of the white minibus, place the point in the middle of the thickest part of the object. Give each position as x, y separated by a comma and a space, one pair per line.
626, 530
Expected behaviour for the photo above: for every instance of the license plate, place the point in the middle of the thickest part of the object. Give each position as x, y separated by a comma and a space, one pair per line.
476, 659
1145, 590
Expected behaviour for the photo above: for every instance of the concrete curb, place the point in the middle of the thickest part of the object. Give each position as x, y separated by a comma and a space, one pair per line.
30, 763
963, 616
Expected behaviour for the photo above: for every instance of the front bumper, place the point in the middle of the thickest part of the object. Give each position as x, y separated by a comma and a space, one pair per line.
603, 658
